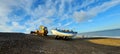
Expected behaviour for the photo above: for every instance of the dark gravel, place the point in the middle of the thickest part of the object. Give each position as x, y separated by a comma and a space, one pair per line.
19, 43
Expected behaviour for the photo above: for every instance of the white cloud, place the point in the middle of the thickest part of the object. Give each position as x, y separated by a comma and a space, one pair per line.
5, 28
6, 8
67, 24
90, 20
86, 3
82, 15
16, 25
85, 15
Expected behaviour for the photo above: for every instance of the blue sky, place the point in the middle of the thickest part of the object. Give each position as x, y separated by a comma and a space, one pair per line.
79, 15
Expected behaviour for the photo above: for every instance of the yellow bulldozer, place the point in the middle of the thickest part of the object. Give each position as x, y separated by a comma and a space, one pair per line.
41, 32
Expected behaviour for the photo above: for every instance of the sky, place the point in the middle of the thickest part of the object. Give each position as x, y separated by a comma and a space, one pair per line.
78, 15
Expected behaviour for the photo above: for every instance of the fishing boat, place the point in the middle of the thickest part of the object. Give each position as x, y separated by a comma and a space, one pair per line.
65, 34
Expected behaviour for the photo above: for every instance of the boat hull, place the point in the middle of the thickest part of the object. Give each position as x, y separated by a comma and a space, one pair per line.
58, 33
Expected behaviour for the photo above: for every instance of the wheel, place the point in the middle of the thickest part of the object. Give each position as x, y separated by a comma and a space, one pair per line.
66, 38
56, 37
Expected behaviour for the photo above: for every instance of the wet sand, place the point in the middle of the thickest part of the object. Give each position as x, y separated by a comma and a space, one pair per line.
18, 43
107, 41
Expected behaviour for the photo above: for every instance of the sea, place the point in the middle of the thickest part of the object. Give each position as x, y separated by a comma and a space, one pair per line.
111, 33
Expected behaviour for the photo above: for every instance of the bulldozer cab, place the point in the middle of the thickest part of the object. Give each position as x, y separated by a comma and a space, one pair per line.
44, 29
41, 27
